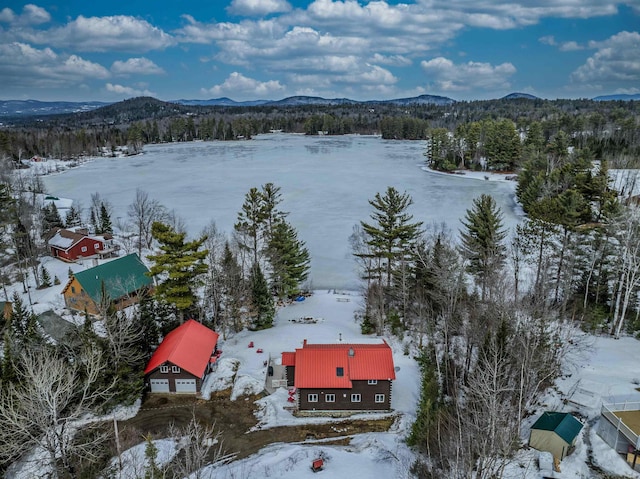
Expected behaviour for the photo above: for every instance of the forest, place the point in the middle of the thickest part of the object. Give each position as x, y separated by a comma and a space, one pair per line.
491, 314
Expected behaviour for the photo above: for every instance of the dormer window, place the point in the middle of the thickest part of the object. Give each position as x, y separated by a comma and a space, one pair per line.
164, 369
339, 372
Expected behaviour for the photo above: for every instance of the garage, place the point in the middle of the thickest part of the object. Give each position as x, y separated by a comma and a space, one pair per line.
159, 385
185, 385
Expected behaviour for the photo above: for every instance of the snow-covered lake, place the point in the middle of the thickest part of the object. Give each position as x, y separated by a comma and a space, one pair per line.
326, 183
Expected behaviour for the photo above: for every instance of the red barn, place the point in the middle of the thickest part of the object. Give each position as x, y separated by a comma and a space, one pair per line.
182, 360
70, 245
342, 376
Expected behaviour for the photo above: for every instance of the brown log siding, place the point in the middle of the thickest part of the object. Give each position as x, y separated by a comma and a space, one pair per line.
343, 397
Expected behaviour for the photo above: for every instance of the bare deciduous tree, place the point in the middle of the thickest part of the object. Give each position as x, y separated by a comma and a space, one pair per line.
143, 212
44, 408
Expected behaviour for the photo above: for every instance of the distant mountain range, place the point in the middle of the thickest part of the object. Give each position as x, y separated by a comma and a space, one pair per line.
519, 96
621, 97
24, 108
35, 107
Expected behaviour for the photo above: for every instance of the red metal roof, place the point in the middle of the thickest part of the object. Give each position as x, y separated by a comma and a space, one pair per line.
288, 359
317, 364
189, 347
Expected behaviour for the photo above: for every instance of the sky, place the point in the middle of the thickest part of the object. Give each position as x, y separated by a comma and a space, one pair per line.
272, 49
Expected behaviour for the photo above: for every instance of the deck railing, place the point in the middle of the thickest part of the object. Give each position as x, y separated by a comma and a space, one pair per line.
608, 411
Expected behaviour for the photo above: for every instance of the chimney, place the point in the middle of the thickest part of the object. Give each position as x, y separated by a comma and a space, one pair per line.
304, 343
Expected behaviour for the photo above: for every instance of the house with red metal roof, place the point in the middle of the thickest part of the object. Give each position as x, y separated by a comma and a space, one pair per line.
341, 376
183, 359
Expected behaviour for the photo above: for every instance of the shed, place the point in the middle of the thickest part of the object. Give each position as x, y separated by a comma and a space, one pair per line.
555, 432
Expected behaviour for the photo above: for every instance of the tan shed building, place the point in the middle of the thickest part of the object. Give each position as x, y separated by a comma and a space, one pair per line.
555, 432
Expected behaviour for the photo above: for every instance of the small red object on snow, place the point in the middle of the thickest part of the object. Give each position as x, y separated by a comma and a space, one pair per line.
251, 344
291, 399
317, 465
259, 350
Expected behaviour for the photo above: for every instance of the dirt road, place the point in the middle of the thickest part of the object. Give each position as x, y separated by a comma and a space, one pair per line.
233, 419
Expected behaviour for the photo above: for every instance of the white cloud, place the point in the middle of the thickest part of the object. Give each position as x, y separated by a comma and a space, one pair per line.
101, 34
258, 7
548, 40
24, 66
616, 61
448, 76
570, 46
237, 85
136, 66
392, 60
34, 15
31, 15
127, 91
7, 15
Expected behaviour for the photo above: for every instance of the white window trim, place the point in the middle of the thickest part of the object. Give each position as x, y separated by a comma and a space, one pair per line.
312, 398
330, 397
83, 249
379, 398
372, 382
96, 246
356, 397
164, 369
175, 369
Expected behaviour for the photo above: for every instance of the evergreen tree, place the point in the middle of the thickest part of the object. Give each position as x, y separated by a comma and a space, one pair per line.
51, 218
482, 240
45, 277
24, 324
105, 220
73, 218
250, 222
289, 259
392, 235
178, 267
422, 430
233, 288
263, 310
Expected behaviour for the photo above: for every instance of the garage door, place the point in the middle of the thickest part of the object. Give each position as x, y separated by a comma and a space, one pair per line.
159, 385
185, 385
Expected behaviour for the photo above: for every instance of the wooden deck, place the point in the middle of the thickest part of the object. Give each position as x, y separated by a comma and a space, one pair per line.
631, 419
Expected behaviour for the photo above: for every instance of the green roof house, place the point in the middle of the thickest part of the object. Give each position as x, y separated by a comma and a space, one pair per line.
118, 283
555, 432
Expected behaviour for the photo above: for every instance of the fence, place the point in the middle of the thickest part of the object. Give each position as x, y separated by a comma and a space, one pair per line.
608, 411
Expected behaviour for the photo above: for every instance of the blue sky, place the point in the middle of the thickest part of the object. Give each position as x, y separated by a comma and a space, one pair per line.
271, 49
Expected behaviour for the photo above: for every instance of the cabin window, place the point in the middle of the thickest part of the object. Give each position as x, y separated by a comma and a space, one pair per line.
356, 398
96, 246
379, 398
312, 398
73, 289
339, 372
164, 369
175, 369
372, 382
330, 398
84, 249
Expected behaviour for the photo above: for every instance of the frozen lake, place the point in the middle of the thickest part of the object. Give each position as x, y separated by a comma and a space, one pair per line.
325, 182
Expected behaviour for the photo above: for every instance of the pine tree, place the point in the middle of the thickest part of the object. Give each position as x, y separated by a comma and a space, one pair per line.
233, 286
105, 220
392, 235
72, 218
51, 218
45, 277
263, 309
250, 222
422, 430
482, 240
289, 259
178, 267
